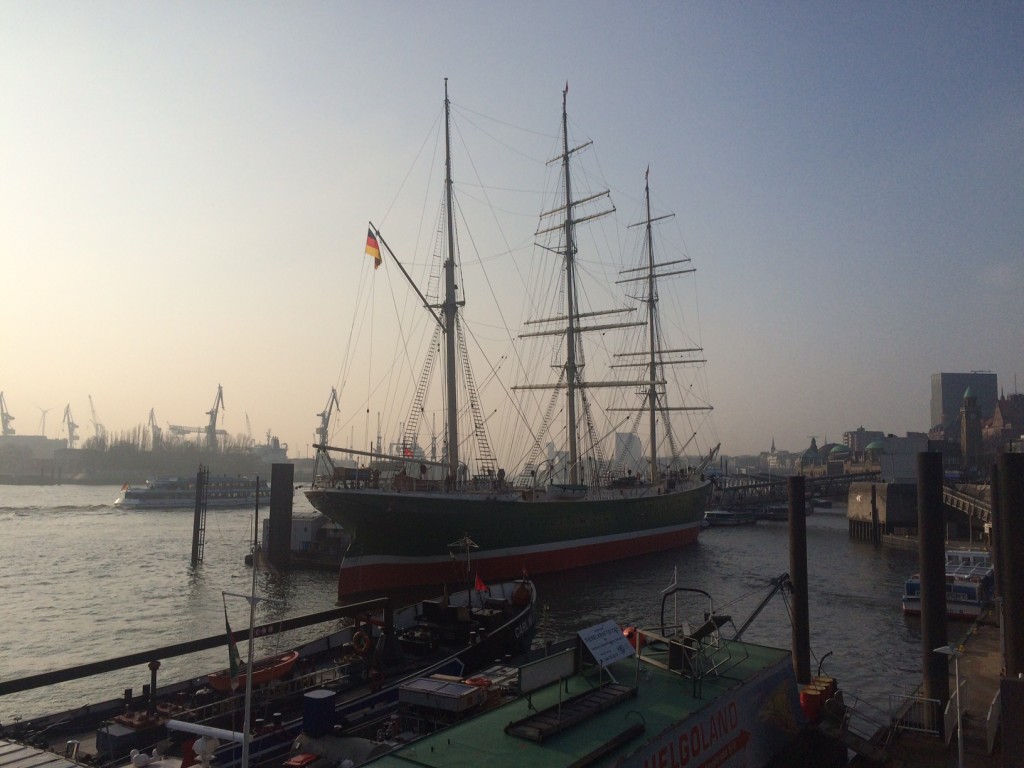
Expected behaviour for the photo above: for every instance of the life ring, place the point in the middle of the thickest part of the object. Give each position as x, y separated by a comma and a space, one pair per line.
361, 642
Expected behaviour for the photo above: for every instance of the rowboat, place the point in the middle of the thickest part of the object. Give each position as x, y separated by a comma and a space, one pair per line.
264, 670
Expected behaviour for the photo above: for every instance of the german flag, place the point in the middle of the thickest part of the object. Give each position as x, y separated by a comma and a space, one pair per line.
372, 249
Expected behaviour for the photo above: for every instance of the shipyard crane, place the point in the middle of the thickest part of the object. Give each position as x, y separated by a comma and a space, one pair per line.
154, 429
5, 418
70, 422
211, 428
322, 432
98, 429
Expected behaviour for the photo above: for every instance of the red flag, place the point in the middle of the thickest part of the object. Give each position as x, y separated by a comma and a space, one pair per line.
372, 249
479, 586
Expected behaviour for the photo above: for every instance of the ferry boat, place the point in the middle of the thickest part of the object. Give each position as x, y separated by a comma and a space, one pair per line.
223, 491
969, 584
400, 525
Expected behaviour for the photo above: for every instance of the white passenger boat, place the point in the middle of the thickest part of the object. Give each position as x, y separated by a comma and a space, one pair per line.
969, 583
180, 493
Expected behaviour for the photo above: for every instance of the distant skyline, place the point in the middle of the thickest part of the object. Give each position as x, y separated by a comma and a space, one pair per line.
185, 190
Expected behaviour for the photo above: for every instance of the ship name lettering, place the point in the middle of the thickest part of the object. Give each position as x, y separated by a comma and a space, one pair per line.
694, 742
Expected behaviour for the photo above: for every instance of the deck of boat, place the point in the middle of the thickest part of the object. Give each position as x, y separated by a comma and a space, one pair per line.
616, 727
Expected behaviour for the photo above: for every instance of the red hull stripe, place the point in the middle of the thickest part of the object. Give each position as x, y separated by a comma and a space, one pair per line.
361, 575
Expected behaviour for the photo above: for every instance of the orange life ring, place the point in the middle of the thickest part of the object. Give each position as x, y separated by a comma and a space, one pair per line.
361, 642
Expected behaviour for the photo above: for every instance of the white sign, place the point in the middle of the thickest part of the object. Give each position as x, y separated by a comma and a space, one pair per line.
606, 642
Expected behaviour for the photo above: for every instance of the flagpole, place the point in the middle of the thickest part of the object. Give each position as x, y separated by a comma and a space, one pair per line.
252, 625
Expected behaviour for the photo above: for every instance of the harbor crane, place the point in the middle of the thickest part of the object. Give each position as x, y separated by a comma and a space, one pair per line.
322, 432
210, 430
98, 429
70, 423
5, 418
154, 430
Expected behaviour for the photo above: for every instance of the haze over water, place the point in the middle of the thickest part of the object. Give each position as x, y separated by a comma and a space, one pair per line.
81, 581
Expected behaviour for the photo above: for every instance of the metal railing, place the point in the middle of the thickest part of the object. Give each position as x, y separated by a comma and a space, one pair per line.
869, 722
995, 714
950, 719
915, 713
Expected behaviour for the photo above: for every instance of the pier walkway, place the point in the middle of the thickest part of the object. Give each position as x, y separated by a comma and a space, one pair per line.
734, 490
980, 672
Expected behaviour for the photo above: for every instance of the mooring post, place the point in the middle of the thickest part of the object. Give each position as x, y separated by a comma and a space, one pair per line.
279, 547
1011, 550
798, 576
876, 536
931, 555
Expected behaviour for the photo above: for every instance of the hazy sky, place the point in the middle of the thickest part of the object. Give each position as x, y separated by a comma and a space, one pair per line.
184, 191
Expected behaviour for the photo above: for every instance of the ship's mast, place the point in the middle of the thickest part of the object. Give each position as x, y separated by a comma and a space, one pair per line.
570, 300
450, 305
655, 358
652, 314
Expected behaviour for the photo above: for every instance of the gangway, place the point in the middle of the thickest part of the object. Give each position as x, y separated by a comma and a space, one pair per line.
733, 490
970, 505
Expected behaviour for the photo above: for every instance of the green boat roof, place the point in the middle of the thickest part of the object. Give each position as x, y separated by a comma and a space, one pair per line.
726, 715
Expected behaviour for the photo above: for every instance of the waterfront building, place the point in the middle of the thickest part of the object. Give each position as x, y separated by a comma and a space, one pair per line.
970, 431
896, 457
859, 439
948, 393
1006, 427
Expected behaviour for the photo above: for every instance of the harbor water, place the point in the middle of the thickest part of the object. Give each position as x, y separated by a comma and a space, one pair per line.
82, 580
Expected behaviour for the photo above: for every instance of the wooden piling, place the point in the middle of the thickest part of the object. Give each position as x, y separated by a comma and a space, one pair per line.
932, 569
1011, 559
798, 576
280, 528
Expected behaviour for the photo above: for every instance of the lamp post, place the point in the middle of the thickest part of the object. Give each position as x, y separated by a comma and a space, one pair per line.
948, 650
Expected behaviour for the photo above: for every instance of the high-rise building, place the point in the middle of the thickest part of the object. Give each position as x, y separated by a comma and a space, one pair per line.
948, 395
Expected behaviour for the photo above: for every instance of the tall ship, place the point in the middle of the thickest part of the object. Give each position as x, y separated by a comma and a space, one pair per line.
411, 515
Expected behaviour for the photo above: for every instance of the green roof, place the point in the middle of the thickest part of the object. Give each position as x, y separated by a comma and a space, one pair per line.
754, 686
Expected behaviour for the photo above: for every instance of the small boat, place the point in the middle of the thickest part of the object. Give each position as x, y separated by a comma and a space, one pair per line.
224, 491
723, 517
970, 581
264, 670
